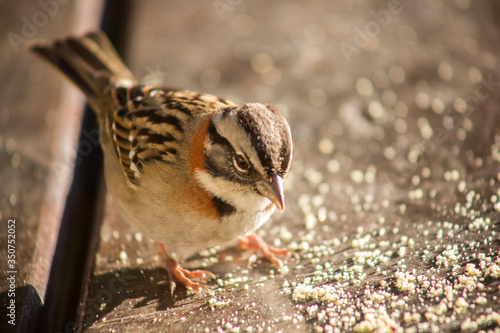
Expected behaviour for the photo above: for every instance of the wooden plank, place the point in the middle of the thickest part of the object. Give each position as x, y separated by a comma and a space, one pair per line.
29, 103
391, 202
38, 131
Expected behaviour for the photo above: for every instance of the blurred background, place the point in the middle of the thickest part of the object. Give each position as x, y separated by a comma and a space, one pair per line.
392, 202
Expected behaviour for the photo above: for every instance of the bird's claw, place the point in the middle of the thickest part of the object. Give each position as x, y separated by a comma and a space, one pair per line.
180, 275
256, 243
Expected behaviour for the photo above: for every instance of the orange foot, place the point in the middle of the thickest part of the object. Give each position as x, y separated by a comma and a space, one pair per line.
180, 275
255, 243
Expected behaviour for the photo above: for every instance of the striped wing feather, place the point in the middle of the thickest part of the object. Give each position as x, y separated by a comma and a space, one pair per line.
148, 123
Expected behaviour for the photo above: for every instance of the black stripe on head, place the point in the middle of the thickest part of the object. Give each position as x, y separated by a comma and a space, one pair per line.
216, 138
254, 130
218, 142
259, 130
285, 153
285, 157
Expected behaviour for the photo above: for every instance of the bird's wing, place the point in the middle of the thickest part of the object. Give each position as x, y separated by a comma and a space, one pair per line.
148, 123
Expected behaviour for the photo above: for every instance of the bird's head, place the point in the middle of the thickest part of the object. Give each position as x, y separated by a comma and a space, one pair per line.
247, 154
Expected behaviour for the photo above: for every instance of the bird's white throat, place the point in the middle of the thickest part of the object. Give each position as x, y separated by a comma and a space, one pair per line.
248, 201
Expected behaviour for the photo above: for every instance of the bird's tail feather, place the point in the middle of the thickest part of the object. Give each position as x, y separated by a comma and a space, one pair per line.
90, 62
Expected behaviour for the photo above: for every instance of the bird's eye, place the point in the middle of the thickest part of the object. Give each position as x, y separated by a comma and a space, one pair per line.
241, 163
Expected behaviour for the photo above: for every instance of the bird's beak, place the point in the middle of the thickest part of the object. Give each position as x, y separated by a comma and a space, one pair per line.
273, 190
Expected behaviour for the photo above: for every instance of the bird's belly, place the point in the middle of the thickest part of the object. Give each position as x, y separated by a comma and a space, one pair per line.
177, 227
175, 222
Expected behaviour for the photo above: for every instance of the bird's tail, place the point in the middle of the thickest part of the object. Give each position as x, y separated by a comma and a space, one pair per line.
90, 62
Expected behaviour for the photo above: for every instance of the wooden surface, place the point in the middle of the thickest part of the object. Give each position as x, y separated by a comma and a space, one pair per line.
392, 203
40, 120
35, 154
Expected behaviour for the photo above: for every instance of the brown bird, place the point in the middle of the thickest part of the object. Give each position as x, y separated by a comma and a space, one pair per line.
186, 169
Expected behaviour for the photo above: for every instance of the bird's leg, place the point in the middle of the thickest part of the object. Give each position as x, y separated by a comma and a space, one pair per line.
255, 243
178, 274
